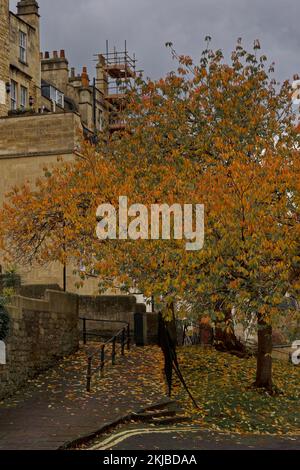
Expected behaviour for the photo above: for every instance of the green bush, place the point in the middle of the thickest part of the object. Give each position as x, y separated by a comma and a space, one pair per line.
10, 279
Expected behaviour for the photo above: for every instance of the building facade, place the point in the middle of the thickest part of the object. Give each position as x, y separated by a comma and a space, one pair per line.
64, 90
4, 57
44, 108
20, 70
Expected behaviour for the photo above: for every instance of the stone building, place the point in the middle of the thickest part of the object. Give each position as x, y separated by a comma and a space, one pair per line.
20, 71
63, 90
98, 102
31, 81
44, 107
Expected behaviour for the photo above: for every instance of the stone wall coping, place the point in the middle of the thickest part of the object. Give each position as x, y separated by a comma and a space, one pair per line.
39, 115
59, 152
110, 296
52, 297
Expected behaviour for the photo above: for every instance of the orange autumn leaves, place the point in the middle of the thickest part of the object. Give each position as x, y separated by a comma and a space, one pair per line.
216, 133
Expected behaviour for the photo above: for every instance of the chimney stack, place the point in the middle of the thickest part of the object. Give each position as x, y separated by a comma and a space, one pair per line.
55, 69
85, 78
28, 8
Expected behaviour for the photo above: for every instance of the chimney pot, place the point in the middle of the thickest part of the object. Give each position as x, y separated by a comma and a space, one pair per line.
47, 55
55, 55
62, 54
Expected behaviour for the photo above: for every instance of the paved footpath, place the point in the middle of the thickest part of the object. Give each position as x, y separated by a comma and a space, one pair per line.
55, 408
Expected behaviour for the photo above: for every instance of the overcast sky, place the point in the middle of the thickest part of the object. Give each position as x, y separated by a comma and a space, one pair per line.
81, 27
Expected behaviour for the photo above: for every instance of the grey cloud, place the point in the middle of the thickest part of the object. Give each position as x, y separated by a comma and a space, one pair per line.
81, 28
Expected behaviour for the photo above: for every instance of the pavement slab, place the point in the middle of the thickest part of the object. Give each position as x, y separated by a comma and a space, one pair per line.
55, 408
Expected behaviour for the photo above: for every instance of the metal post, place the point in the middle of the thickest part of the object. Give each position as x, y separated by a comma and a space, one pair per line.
113, 353
84, 330
89, 375
128, 337
183, 335
152, 304
123, 341
65, 278
102, 360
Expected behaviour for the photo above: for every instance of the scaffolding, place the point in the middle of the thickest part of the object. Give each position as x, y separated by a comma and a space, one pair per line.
117, 71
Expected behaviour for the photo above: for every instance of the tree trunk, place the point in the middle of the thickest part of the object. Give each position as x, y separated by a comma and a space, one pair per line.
167, 338
225, 339
264, 355
173, 326
167, 347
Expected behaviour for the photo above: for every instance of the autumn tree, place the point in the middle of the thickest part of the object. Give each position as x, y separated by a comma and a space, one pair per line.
216, 133
235, 125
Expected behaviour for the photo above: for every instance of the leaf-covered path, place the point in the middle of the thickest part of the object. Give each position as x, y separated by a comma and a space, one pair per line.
55, 408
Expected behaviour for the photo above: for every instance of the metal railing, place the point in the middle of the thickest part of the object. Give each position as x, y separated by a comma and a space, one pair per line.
122, 337
119, 58
190, 332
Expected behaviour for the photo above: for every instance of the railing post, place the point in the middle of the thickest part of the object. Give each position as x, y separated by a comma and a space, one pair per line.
184, 334
123, 341
102, 360
84, 330
128, 337
89, 375
113, 353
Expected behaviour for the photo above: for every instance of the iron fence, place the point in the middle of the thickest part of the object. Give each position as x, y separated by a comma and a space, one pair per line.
191, 333
121, 338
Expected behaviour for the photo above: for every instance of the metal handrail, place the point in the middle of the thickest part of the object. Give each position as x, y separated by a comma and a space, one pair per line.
84, 329
102, 320
123, 334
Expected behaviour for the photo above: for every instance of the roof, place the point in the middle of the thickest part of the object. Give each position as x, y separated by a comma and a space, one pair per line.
22, 21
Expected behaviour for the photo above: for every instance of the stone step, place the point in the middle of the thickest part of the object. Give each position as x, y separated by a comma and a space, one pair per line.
163, 404
170, 420
149, 416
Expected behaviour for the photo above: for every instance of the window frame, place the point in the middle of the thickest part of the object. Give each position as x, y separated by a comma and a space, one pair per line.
57, 96
23, 89
22, 47
13, 95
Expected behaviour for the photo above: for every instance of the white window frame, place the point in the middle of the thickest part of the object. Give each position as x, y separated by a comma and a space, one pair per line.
23, 47
60, 99
57, 96
23, 97
13, 95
